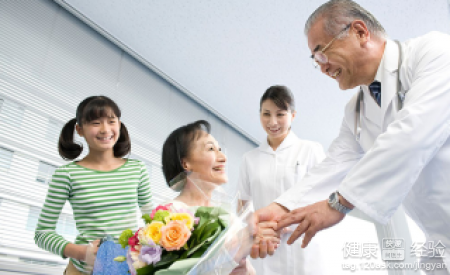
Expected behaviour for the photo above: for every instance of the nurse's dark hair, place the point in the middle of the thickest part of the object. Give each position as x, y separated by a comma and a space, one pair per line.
92, 108
281, 96
178, 145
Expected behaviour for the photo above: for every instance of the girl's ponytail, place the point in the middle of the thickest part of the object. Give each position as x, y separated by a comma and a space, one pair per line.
68, 149
123, 145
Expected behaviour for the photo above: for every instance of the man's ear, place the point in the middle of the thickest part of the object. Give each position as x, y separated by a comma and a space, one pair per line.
361, 31
79, 130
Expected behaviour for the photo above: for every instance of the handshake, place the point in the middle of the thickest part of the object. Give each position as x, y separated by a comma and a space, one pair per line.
272, 221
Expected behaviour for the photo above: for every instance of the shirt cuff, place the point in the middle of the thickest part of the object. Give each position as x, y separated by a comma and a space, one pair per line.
364, 207
62, 248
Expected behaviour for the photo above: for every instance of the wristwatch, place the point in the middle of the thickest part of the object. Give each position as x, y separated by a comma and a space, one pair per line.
333, 201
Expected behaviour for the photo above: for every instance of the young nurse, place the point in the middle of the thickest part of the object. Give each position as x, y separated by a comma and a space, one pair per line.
104, 189
280, 162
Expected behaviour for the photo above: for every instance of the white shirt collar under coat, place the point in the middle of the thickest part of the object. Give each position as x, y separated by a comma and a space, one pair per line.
386, 75
388, 63
288, 141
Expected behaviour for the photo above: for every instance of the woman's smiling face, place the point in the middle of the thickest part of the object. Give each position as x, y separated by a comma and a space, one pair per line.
275, 121
206, 159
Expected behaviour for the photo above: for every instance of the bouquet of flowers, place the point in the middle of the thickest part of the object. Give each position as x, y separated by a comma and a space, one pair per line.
171, 236
208, 240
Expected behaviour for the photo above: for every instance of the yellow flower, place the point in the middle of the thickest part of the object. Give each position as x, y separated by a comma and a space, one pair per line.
186, 217
151, 231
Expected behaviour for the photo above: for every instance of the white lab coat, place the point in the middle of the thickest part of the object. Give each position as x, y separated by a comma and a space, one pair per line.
265, 174
402, 156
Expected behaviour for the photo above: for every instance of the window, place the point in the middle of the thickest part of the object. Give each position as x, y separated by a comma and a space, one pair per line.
149, 170
53, 130
65, 226
33, 216
1, 104
5, 159
38, 261
45, 172
13, 113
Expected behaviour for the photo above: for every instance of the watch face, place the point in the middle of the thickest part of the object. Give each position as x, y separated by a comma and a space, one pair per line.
333, 198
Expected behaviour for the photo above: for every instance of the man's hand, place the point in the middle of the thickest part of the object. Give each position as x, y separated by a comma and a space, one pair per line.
262, 247
311, 219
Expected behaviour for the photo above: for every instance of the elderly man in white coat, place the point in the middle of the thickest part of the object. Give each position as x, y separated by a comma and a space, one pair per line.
393, 147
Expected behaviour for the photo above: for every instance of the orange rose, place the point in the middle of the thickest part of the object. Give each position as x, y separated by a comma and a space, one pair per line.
174, 235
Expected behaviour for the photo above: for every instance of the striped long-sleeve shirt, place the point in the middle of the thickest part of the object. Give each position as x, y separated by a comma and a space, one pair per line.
102, 202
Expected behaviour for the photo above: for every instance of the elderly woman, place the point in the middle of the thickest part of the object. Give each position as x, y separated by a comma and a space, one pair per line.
191, 148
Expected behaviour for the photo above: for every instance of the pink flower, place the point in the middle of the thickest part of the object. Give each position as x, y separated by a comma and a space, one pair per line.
160, 207
133, 241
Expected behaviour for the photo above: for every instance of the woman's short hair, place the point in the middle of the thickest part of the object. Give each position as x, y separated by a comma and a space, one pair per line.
178, 145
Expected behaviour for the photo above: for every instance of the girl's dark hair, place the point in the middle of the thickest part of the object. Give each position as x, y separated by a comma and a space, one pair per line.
178, 145
92, 108
281, 96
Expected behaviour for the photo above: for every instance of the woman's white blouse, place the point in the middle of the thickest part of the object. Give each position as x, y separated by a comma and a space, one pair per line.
266, 174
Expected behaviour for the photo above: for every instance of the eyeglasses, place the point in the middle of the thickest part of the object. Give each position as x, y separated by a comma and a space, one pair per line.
319, 57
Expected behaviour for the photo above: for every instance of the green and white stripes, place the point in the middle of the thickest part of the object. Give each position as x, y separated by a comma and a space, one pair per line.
102, 202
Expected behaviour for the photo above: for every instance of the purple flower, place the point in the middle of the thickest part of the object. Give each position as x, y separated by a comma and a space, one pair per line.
130, 263
150, 254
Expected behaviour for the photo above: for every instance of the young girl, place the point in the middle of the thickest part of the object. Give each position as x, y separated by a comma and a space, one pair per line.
280, 162
103, 188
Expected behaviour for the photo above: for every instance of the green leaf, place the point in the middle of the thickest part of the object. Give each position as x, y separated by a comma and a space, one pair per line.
212, 211
193, 250
200, 230
209, 213
147, 270
204, 217
205, 232
208, 240
209, 230
167, 259
160, 215
120, 259
213, 237
123, 239
204, 244
147, 218
199, 252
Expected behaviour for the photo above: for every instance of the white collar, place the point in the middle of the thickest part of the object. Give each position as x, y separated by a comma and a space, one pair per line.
288, 141
387, 64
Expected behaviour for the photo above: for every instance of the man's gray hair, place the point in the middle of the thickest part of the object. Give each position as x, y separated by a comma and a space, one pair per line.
340, 13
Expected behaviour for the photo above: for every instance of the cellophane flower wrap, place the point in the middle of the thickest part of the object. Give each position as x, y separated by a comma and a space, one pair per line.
203, 240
